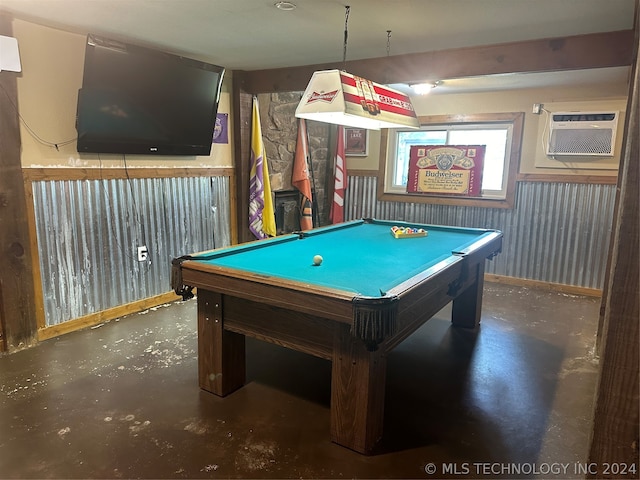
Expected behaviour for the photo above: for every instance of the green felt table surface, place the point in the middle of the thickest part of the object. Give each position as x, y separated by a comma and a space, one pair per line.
359, 256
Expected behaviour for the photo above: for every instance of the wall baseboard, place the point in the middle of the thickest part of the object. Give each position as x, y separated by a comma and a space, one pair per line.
555, 287
105, 315
141, 305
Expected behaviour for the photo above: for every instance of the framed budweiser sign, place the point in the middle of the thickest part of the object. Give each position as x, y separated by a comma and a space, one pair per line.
446, 169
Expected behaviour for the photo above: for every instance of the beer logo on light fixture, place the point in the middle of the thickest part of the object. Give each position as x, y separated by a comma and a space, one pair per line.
322, 97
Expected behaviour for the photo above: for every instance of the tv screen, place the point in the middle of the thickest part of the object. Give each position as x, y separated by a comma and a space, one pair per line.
135, 100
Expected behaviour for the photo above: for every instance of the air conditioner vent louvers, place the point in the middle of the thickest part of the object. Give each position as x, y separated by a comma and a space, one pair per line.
583, 117
582, 134
582, 141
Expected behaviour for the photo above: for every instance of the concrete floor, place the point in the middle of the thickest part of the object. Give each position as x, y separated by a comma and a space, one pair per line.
122, 401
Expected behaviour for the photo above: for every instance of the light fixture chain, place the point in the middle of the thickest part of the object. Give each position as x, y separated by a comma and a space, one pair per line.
388, 42
346, 35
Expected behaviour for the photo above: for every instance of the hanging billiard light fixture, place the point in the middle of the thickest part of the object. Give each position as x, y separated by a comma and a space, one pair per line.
339, 98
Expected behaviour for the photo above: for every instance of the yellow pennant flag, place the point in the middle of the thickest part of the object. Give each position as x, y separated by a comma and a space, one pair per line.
262, 219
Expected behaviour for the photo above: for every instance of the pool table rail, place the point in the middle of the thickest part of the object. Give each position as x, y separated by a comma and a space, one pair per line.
372, 319
305, 298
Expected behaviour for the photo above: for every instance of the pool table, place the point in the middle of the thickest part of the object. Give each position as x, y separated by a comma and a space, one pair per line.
371, 291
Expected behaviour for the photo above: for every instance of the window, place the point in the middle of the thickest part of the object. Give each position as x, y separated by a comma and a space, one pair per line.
500, 133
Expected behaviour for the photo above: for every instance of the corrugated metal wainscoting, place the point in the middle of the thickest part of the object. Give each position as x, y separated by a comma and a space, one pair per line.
557, 232
88, 233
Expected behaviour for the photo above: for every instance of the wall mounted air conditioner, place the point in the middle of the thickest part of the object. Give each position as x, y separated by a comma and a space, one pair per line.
584, 134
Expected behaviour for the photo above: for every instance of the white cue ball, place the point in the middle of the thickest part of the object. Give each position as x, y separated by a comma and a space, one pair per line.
317, 260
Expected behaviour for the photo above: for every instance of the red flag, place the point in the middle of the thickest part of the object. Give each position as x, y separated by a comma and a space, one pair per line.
340, 184
300, 176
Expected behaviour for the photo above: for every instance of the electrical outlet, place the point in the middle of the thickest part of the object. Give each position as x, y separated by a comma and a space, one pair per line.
143, 253
537, 108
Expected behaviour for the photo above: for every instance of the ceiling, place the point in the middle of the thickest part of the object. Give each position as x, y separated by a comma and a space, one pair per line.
255, 35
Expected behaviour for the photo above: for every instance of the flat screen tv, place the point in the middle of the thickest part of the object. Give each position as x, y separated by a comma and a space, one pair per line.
136, 100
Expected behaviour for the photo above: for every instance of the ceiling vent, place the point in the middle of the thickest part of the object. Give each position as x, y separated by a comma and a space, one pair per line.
584, 134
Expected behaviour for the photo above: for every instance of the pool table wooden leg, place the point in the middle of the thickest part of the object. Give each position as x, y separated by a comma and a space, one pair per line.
357, 393
221, 354
467, 307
